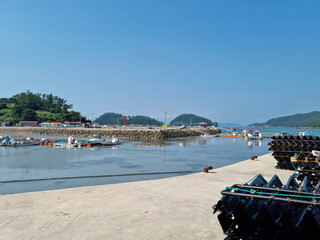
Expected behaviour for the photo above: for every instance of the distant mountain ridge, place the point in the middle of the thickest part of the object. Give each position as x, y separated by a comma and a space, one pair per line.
110, 118
191, 119
229, 124
311, 119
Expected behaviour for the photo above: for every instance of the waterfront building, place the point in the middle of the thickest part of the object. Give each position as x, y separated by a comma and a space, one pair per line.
56, 124
45, 124
52, 124
202, 124
4, 123
71, 124
28, 123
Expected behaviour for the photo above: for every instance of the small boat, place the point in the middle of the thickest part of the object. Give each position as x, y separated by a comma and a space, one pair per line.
113, 142
253, 137
208, 135
10, 142
72, 143
97, 140
25, 143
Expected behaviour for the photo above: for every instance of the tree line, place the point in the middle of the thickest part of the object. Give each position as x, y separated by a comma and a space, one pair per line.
28, 106
113, 119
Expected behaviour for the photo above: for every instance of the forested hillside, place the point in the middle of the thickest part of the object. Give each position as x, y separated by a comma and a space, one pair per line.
111, 119
311, 119
194, 120
30, 106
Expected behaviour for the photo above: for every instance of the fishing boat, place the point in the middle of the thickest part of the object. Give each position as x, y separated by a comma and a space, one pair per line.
253, 136
72, 143
208, 135
10, 142
113, 142
97, 140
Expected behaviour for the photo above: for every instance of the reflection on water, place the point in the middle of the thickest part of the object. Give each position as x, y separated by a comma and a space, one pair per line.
185, 154
254, 142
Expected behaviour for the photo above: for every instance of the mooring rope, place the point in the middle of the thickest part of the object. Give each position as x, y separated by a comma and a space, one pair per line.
96, 176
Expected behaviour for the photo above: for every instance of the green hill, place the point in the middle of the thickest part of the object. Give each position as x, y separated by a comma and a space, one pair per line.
110, 119
30, 106
186, 119
311, 119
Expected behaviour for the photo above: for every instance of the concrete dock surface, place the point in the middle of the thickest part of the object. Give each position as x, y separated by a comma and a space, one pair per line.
171, 208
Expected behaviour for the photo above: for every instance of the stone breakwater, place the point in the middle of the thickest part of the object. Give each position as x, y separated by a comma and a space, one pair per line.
123, 133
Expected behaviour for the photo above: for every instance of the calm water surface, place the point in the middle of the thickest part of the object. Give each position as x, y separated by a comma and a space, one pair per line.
189, 154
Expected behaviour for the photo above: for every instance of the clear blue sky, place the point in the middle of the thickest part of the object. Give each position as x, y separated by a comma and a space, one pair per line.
231, 61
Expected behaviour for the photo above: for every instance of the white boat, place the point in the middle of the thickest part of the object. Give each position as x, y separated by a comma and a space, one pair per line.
72, 143
253, 137
208, 135
25, 143
113, 142
97, 139
101, 141
66, 145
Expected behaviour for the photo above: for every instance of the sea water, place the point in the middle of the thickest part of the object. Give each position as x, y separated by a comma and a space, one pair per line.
185, 154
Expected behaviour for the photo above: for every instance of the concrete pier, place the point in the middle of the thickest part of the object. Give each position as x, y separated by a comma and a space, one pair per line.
172, 208
128, 133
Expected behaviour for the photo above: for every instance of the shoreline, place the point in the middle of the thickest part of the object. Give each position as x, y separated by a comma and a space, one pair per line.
177, 207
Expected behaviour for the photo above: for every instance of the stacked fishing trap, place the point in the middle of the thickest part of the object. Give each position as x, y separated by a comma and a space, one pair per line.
260, 209
298, 149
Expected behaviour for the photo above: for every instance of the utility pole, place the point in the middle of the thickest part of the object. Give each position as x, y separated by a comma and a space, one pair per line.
92, 117
165, 117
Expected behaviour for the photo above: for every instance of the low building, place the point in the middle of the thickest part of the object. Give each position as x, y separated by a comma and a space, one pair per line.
56, 124
52, 124
72, 124
28, 123
4, 123
45, 124
202, 124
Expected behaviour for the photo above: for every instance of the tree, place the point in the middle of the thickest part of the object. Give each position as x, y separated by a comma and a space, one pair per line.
3, 105
28, 115
17, 112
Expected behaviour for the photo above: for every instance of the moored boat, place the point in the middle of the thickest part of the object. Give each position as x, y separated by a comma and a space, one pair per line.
10, 142
113, 142
253, 136
72, 143
97, 140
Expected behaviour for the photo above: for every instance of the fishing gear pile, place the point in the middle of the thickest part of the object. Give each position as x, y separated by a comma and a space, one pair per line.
301, 147
260, 209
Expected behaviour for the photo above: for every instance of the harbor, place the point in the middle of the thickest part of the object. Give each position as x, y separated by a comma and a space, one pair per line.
159, 120
171, 208
123, 163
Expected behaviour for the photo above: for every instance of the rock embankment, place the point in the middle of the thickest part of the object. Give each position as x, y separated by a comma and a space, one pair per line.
123, 133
